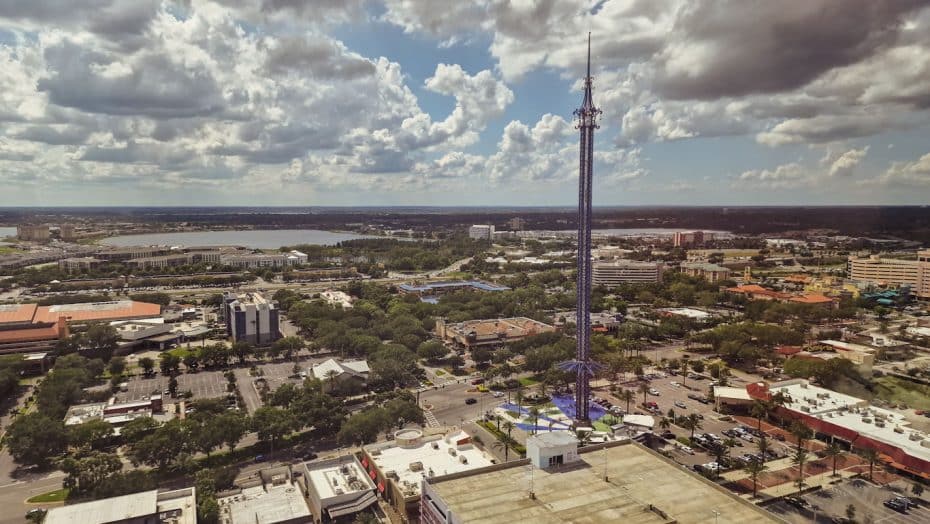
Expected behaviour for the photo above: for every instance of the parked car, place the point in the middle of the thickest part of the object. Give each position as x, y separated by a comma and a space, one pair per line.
654, 391
680, 404
896, 504
471, 401
687, 450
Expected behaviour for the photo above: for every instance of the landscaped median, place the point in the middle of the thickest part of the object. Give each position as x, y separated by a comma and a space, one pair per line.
501, 436
59, 495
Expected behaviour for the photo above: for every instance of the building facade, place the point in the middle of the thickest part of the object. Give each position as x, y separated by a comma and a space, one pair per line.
883, 271
78, 264
691, 238
626, 272
251, 318
707, 271
33, 233
481, 232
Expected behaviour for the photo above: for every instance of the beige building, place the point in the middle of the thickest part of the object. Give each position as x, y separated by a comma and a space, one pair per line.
705, 270
78, 264
475, 333
146, 507
880, 271
559, 482
33, 233
626, 272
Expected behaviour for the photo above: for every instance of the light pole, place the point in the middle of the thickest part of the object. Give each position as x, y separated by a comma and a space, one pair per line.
716, 516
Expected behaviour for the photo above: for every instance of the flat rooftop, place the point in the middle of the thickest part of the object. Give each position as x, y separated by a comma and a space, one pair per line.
341, 477
17, 313
430, 456
115, 310
126, 507
258, 505
815, 399
577, 492
433, 286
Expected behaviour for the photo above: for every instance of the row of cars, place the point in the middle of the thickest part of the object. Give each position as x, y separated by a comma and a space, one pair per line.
900, 503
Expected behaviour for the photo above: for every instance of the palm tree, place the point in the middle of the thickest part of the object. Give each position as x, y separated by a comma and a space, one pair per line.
871, 456
500, 444
331, 376
834, 451
759, 410
684, 371
763, 446
644, 389
800, 432
534, 412
628, 396
693, 423
799, 459
665, 423
497, 419
519, 398
508, 427
754, 468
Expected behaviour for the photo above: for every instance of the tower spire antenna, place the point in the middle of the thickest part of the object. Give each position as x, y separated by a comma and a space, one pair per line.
589, 56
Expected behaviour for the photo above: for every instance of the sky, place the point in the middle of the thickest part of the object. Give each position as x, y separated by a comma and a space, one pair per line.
455, 102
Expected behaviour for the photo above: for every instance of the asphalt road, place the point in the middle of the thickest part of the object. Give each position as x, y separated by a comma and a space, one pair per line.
447, 403
13, 495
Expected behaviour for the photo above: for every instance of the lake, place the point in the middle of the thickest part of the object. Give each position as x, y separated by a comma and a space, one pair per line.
7, 232
255, 239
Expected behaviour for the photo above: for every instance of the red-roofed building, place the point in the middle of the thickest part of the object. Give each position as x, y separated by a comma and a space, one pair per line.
756, 292
787, 351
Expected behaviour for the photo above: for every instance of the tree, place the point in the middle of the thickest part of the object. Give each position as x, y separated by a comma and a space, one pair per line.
101, 339
147, 365
759, 410
799, 459
163, 446
272, 423
754, 468
627, 396
917, 489
504, 446
431, 350
34, 438
173, 386
91, 434
692, 422
169, 363
870, 456
137, 428
644, 389
191, 361
116, 366
289, 346
851, 512
834, 451
534, 412
242, 350
86, 471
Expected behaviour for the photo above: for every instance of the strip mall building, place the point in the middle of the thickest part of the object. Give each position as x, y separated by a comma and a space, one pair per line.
842, 417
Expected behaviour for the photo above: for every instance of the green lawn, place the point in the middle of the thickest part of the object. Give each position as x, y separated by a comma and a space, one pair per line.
898, 390
529, 381
59, 495
7, 250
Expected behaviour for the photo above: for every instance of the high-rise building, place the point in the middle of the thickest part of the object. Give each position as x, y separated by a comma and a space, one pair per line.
251, 318
481, 232
692, 238
66, 233
516, 224
33, 233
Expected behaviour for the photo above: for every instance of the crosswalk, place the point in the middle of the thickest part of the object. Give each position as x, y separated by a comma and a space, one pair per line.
431, 420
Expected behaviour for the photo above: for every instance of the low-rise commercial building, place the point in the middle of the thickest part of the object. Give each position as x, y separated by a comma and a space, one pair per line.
610, 274
705, 270
612, 482
399, 466
146, 507
333, 373
270, 498
338, 487
475, 333
117, 414
439, 288
251, 318
79, 264
853, 421
337, 298
127, 253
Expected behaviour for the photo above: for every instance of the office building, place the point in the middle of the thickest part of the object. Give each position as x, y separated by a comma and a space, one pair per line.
251, 318
333, 373
79, 264
338, 487
127, 253
399, 466
558, 482
432, 289
626, 272
258, 260
146, 507
878, 271
481, 232
709, 272
516, 224
33, 233
490, 333
66, 233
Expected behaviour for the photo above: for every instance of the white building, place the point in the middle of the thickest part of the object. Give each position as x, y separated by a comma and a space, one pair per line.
332, 371
146, 507
337, 298
338, 486
626, 271
551, 449
296, 258
481, 232
273, 499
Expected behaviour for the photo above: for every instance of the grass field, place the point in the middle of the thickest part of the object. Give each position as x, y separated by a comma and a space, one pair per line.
59, 495
898, 391
7, 250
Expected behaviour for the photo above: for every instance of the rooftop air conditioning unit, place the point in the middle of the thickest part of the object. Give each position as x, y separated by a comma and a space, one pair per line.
463, 459
435, 445
452, 452
898, 429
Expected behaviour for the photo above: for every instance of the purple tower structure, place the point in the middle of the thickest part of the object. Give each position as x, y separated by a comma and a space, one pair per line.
582, 365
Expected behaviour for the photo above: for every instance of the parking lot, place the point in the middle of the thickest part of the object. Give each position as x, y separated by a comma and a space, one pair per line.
867, 498
204, 384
